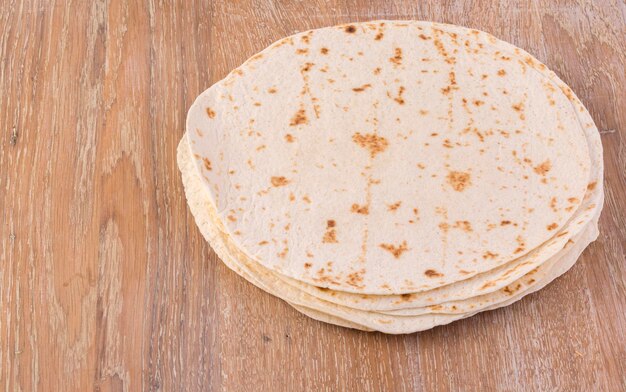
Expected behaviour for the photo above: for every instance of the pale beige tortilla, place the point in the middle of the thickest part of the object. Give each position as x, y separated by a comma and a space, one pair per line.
265, 279
239, 130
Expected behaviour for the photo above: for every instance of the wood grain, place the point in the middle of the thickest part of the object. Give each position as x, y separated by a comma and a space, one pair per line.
106, 283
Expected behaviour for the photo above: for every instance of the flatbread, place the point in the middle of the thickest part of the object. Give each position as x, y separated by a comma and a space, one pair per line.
322, 310
306, 176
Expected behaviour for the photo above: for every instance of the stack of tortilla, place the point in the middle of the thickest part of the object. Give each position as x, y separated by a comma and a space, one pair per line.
393, 175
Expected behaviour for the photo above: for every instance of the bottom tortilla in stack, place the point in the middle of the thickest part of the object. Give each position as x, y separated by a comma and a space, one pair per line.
388, 321
394, 175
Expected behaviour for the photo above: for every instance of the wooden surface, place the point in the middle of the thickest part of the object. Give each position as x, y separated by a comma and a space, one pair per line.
107, 284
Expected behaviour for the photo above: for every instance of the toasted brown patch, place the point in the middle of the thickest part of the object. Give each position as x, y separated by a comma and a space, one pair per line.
271, 90
210, 112
489, 255
360, 209
394, 206
543, 168
299, 118
478, 102
501, 72
424, 37
459, 180
350, 29
263, 243
356, 278
207, 164
324, 50
487, 285
396, 251
289, 138
362, 88
552, 226
279, 181
591, 186
302, 51
308, 265
307, 67
331, 234
505, 222
463, 225
372, 142
397, 57
379, 36
432, 273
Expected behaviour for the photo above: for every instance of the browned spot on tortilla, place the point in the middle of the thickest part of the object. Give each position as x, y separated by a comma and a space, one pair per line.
399, 98
377, 70
372, 142
356, 278
487, 285
379, 36
424, 37
289, 138
435, 307
521, 244
324, 50
232, 218
394, 206
271, 90
308, 265
360, 209
263, 243
279, 181
306, 199
459, 180
261, 147
463, 225
302, 51
573, 200
299, 118
199, 132
350, 29
331, 234
505, 223
307, 67
543, 168
397, 57
207, 164
423, 112
210, 112
489, 255
396, 251
478, 102
552, 226
447, 143
591, 186
292, 197
431, 273
501, 72
362, 88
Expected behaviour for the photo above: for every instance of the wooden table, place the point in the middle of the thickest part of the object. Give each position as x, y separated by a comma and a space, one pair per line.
107, 284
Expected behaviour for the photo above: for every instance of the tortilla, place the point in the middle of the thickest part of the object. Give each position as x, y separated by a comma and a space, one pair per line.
395, 165
317, 308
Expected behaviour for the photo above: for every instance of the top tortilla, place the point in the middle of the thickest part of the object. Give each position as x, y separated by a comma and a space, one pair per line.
390, 157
